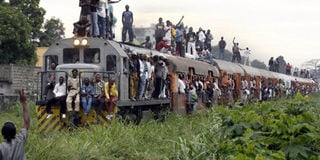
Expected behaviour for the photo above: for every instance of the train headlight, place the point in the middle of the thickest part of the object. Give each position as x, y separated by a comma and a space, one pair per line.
76, 42
84, 42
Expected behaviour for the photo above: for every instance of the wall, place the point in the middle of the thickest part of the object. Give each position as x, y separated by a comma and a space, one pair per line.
13, 78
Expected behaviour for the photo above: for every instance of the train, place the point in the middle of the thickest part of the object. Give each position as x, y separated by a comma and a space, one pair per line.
111, 59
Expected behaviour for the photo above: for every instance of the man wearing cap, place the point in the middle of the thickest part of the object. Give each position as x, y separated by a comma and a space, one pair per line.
13, 147
73, 92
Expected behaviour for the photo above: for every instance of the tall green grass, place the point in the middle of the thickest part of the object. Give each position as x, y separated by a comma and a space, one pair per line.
198, 136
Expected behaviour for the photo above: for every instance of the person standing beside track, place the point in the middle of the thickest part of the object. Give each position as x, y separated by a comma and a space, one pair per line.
13, 147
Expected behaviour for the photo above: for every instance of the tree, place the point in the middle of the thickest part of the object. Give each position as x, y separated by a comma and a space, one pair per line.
258, 64
34, 13
282, 64
15, 44
53, 30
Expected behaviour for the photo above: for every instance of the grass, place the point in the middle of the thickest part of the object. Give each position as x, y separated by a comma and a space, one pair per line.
179, 137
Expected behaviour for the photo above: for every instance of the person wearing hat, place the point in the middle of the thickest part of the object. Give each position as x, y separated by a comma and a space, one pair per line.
13, 146
73, 92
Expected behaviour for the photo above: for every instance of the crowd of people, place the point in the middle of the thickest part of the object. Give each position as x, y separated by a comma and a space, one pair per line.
96, 19
93, 92
274, 65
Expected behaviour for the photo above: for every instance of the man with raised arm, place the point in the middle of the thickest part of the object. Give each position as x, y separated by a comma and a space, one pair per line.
13, 147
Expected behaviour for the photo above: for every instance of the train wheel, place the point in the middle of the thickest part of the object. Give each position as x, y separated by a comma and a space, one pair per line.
132, 115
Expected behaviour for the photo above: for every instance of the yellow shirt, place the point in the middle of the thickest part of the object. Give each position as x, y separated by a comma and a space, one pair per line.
112, 91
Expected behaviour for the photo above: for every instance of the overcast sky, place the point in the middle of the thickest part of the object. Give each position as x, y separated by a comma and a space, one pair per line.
290, 28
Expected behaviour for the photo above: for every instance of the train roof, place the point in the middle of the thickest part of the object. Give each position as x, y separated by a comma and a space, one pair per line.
228, 67
183, 64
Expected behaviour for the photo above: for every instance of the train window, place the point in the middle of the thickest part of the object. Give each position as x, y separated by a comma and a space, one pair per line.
71, 55
50, 59
91, 55
111, 63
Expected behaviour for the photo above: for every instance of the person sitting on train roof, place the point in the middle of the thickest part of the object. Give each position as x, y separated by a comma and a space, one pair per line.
82, 27
13, 147
162, 46
111, 94
59, 96
73, 92
87, 92
147, 43
98, 97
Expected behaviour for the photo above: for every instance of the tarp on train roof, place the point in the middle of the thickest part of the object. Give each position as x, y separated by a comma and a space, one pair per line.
228, 67
251, 70
182, 65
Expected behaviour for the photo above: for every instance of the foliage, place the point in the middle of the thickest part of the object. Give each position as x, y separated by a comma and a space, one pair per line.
271, 130
34, 14
15, 46
258, 64
53, 30
285, 130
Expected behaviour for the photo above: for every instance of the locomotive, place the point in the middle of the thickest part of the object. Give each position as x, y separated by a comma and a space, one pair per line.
110, 59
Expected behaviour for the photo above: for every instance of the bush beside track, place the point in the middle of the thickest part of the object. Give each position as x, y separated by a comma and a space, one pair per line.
285, 129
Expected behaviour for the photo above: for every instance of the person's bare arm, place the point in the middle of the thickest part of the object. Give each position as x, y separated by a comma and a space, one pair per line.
26, 115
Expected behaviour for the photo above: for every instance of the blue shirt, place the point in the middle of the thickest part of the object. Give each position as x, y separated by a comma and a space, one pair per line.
87, 90
127, 18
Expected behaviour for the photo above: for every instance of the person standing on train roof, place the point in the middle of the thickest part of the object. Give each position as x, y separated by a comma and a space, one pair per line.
102, 18
13, 146
98, 97
222, 46
236, 51
167, 30
178, 39
159, 31
111, 94
73, 86
191, 42
94, 18
209, 38
60, 93
246, 54
87, 92
127, 21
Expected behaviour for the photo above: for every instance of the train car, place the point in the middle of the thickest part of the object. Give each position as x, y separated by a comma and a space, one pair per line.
89, 56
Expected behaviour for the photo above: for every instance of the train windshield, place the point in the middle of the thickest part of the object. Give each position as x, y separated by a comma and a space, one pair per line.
49, 60
92, 55
71, 55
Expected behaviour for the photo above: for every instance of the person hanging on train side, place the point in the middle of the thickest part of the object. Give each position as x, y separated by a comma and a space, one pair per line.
87, 92
51, 80
143, 74
160, 76
98, 97
60, 92
134, 77
111, 97
73, 87
150, 80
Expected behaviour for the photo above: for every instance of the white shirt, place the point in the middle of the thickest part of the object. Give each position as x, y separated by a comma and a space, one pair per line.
202, 36
102, 8
181, 86
60, 90
246, 53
